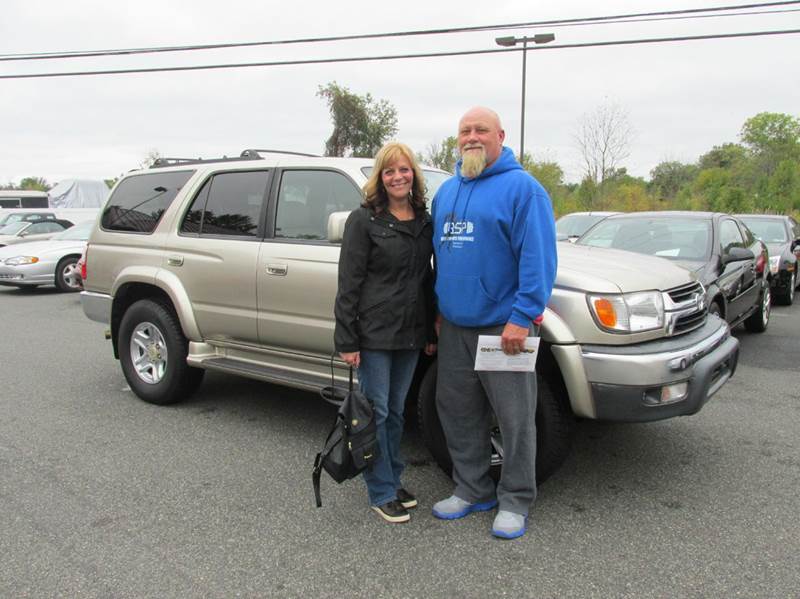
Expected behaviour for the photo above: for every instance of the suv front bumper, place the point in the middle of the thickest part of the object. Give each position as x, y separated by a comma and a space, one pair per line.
625, 382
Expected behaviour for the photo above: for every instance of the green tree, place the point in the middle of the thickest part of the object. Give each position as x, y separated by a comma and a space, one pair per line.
668, 178
727, 155
35, 184
772, 135
361, 125
442, 155
783, 189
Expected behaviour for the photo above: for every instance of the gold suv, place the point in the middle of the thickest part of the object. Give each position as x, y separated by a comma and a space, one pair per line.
231, 265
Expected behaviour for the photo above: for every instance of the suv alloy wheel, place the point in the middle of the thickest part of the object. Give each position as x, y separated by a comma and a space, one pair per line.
152, 352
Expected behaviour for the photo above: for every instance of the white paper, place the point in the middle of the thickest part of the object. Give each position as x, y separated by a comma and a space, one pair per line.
490, 356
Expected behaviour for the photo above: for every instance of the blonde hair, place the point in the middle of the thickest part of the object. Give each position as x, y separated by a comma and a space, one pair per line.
376, 198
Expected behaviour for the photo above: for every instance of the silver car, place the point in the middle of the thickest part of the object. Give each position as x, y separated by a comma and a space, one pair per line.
48, 262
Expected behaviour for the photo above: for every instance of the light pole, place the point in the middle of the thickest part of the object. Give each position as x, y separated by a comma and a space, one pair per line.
509, 41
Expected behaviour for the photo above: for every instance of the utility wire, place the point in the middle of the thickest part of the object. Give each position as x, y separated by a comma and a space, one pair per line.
526, 25
402, 56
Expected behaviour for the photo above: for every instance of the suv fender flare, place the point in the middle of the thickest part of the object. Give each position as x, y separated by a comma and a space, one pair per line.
567, 356
554, 329
169, 284
180, 300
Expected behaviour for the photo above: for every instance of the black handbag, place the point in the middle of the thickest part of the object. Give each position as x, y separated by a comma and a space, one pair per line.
352, 444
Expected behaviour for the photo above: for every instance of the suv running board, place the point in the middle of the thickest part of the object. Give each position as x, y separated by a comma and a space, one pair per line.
274, 375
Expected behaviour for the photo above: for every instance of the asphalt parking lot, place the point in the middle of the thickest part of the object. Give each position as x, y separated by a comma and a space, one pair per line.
103, 495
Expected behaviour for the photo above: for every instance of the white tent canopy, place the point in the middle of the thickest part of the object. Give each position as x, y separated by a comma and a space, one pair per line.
78, 193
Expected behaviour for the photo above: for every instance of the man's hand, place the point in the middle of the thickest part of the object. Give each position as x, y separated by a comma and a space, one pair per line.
513, 338
353, 358
430, 349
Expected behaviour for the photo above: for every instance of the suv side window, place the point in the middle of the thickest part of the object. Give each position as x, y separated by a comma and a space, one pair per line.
307, 198
138, 202
228, 204
730, 236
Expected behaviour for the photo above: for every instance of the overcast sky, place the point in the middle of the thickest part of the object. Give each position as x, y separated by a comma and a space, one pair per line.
681, 98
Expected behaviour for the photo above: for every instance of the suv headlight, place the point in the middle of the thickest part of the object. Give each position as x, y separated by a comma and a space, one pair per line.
774, 264
17, 260
628, 312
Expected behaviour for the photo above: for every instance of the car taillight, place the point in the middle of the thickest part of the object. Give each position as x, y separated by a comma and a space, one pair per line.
83, 264
761, 262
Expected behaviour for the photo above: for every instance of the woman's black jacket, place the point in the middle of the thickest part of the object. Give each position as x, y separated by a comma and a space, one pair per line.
385, 297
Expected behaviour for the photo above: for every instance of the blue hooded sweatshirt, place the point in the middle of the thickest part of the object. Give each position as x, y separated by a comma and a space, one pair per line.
495, 245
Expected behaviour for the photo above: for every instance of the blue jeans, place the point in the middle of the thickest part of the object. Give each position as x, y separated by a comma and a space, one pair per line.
384, 377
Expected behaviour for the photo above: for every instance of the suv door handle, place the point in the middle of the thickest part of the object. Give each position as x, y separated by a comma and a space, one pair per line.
175, 260
279, 270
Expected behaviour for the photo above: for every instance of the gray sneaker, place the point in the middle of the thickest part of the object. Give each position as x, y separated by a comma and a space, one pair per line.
454, 507
508, 525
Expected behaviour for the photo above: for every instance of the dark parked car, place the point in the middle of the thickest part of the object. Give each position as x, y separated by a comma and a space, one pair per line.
571, 226
782, 236
726, 257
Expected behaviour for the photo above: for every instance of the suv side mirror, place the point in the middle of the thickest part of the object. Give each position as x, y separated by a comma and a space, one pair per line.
336, 221
737, 254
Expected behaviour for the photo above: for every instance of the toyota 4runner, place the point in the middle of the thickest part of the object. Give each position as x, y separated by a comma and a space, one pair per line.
231, 265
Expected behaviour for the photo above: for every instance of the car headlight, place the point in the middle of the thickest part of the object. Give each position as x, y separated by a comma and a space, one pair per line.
628, 312
17, 260
774, 264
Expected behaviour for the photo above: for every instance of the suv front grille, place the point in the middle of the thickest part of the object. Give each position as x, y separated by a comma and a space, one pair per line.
683, 311
685, 292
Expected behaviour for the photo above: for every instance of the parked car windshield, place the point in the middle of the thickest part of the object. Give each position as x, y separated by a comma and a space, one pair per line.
79, 232
572, 225
667, 237
769, 230
13, 228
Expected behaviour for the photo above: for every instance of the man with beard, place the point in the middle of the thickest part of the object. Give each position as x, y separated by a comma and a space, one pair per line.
494, 241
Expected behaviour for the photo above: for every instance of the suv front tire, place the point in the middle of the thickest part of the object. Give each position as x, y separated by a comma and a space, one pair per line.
152, 351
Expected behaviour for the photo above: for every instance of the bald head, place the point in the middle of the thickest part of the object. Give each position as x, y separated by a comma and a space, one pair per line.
482, 113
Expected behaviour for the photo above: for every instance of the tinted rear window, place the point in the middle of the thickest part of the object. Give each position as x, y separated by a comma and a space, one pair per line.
138, 203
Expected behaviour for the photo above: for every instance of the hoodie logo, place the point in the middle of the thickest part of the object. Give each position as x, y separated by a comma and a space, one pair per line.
458, 227
456, 232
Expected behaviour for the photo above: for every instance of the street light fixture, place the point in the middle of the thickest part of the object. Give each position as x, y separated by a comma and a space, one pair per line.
510, 41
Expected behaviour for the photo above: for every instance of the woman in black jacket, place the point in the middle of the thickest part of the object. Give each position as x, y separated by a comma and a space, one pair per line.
384, 308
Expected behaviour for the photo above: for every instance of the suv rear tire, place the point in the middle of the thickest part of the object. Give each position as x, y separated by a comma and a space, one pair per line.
152, 351
554, 426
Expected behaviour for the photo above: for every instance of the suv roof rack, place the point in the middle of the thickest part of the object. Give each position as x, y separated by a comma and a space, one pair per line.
249, 154
164, 162
252, 153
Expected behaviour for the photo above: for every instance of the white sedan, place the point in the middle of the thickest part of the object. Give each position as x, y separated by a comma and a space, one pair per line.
50, 262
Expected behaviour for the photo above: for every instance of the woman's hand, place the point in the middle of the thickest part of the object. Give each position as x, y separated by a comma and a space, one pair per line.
430, 348
353, 357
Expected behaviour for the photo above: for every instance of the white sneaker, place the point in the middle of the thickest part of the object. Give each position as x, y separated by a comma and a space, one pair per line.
508, 525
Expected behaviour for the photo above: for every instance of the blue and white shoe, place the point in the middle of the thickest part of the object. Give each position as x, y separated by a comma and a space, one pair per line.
454, 507
508, 525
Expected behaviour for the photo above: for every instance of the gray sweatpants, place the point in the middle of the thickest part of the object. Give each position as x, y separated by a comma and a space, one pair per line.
465, 400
